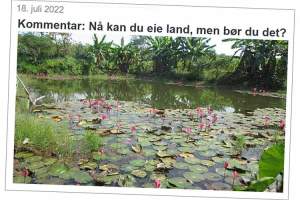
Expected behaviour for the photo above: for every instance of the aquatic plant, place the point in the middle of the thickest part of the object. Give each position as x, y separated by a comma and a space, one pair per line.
282, 124
226, 164
239, 143
235, 175
91, 141
157, 183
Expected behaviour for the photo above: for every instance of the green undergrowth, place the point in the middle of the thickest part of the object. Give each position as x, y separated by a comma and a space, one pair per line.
48, 138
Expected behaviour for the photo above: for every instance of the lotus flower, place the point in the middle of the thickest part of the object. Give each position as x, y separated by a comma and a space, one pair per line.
235, 174
133, 129
201, 125
226, 164
25, 172
282, 124
187, 130
103, 116
157, 183
214, 118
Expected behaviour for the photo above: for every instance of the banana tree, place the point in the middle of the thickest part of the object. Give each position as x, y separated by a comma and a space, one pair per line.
164, 52
100, 50
193, 50
125, 55
263, 60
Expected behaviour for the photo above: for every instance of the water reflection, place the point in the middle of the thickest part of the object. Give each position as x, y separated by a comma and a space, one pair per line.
156, 94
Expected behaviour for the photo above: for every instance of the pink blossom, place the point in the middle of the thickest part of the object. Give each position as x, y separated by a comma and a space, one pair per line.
157, 183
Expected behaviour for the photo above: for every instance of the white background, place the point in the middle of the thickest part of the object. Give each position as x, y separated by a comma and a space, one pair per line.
5, 35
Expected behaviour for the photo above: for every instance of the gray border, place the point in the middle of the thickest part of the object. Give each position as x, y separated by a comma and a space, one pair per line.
164, 5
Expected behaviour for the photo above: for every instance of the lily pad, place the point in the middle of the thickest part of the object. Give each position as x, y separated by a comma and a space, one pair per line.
192, 160
212, 176
207, 163
139, 173
194, 176
58, 169
179, 182
181, 165
220, 186
198, 168
137, 163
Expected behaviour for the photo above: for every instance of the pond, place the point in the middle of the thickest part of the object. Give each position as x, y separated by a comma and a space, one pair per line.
155, 134
157, 94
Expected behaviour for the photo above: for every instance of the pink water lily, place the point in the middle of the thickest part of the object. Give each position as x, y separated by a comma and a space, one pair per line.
133, 129
214, 118
226, 164
282, 124
103, 117
200, 112
235, 174
209, 110
201, 126
157, 183
187, 130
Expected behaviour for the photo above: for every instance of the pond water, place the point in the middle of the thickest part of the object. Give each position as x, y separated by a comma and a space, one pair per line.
179, 145
158, 95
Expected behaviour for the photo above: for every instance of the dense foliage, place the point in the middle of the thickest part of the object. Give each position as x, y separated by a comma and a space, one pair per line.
260, 63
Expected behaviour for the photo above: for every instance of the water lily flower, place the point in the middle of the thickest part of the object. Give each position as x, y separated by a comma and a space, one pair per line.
235, 174
103, 116
214, 118
187, 130
201, 126
133, 129
157, 183
282, 124
226, 164
25, 172
209, 110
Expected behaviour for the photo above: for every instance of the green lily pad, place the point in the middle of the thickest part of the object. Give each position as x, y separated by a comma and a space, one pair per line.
23, 155
124, 151
22, 179
179, 182
34, 159
89, 166
139, 173
126, 181
220, 186
181, 165
218, 159
198, 168
35, 165
158, 176
49, 161
137, 162
212, 176
192, 160
128, 167
207, 163
194, 176
58, 169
